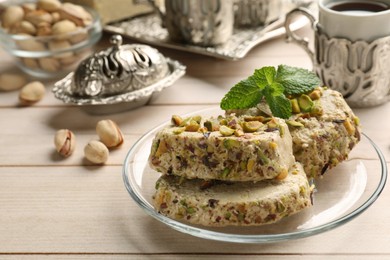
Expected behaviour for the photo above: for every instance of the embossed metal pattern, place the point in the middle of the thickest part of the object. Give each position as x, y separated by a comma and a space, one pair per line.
119, 69
62, 89
122, 75
252, 13
359, 70
148, 29
199, 22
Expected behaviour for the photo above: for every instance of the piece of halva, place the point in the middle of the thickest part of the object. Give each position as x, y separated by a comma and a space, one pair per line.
234, 151
219, 203
321, 138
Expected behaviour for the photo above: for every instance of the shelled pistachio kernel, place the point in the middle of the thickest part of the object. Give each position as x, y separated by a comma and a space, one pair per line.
254, 118
96, 152
192, 126
65, 142
251, 126
32, 92
162, 148
295, 106
316, 109
356, 120
282, 175
211, 125
176, 120
349, 127
226, 131
272, 124
305, 103
294, 123
315, 94
109, 133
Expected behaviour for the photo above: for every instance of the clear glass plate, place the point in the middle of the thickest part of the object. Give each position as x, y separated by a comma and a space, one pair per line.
341, 195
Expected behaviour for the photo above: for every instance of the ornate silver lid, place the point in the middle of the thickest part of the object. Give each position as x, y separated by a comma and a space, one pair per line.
119, 69
119, 78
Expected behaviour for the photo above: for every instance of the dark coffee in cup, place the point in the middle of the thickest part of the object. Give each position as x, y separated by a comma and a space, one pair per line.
359, 7
351, 49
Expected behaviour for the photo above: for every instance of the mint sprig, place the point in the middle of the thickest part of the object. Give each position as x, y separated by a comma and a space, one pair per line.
273, 86
296, 80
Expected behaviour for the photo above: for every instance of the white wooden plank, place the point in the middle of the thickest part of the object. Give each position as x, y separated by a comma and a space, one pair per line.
39, 120
87, 210
192, 256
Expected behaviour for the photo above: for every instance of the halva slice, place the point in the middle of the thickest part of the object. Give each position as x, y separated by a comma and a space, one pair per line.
217, 203
223, 148
323, 127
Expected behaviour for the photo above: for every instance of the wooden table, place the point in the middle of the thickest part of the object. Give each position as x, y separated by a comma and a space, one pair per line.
52, 207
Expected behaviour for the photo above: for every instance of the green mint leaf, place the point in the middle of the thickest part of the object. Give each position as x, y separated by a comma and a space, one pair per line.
272, 84
264, 76
296, 80
276, 89
245, 94
248, 93
280, 105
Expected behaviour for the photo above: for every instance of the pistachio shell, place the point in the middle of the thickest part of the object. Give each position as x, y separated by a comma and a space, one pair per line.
38, 16
78, 37
32, 92
28, 7
11, 81
31, 63
30, 44
49, 64
64, 26
65, 142
60, 45
49, 5
76, 14
109, 133
12, 15
24, 27
96, 152
56, 16
44, 29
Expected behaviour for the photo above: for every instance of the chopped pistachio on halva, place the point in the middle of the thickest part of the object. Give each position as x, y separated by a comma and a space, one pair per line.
322, 136
218, 203
224, 148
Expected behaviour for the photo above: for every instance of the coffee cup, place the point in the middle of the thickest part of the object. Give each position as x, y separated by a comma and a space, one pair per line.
197, 22
351, 48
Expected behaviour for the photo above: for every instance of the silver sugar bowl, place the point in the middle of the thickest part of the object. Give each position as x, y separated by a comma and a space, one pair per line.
119, 78
119, 69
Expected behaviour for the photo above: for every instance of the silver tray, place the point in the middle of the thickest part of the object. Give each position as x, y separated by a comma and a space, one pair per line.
148, 29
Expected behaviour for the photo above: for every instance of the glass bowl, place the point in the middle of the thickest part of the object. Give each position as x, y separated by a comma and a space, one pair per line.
51, 56
342, 194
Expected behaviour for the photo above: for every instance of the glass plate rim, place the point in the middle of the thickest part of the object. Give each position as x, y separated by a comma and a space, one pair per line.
253, 239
